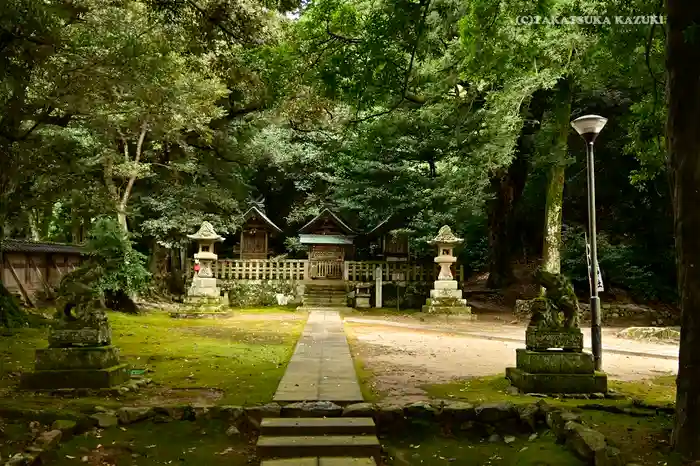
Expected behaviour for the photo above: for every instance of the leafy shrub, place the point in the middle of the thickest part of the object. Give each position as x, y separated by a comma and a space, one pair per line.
11, 314
247, 294
411, 296
622, 265
474, 252
112, 266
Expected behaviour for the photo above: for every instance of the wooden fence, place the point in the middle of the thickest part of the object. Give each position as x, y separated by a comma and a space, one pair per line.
400, 271
298, 270
256, 269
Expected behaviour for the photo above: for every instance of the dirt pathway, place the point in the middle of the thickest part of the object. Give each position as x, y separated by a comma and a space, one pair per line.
404, 359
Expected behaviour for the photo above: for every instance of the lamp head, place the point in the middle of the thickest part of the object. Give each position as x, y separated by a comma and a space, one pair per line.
589, 126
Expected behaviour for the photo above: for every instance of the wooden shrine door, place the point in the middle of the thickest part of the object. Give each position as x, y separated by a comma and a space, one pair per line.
326, 262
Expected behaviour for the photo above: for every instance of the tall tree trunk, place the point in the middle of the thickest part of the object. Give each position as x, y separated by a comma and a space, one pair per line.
33, 225
507, 188
551, 249
121, 217
683, 139
75, 227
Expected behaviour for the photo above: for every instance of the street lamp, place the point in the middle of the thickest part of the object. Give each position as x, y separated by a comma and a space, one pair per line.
589, 127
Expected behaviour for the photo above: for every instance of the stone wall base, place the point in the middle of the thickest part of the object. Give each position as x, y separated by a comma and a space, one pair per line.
76, 378
554, 362
462, 311
100, 357
528, 382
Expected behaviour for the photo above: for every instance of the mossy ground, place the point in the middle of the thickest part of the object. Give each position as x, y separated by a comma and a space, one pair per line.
658, 391
643, 440
423, 448
146, 444
229, 361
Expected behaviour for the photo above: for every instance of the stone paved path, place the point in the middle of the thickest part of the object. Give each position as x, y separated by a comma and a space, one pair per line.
321, 368
322, 371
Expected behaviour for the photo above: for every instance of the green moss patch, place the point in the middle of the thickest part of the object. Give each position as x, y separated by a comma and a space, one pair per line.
177, 442
229, 361
642, 440
17, 353
655, 391
434, 450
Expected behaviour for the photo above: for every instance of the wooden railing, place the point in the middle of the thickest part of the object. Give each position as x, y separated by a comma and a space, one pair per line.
299, 270
326, 269
257, 269
402, 271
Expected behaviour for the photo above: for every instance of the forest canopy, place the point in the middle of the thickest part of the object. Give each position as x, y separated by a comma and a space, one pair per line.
164, 113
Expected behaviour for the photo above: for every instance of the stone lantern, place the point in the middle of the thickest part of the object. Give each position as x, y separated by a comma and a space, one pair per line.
203, 287
446, 297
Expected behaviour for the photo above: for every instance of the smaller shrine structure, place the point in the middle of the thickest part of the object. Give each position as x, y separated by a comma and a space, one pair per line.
256, 231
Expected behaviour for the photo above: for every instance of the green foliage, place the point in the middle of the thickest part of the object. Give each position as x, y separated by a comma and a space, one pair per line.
112, 265
623, 266
258, 294
11, 314
169, 113
410, 296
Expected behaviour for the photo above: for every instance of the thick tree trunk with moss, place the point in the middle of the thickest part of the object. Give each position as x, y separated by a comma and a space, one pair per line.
551, 249
507, 188
683, 139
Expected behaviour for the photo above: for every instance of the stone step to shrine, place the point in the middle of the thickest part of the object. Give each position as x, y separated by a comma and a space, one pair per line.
317, 426
301, 446
314, 302
321, 462
321, 294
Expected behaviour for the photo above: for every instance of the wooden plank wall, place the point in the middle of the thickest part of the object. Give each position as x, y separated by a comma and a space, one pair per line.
31, 275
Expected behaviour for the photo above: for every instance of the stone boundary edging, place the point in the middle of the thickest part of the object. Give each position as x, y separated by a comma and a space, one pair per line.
486, 419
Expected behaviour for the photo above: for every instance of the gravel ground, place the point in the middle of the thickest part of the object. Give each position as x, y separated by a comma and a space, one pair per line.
403, 359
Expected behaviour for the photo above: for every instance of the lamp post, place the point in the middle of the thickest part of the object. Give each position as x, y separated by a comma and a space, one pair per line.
589, 127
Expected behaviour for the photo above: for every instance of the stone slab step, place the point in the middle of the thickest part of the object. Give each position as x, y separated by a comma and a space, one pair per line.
324, 299
317, 426
356, 446
321, 462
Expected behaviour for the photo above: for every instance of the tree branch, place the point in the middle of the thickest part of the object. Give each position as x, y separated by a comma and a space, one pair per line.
349, 40
137, 158
208, 17
407, 76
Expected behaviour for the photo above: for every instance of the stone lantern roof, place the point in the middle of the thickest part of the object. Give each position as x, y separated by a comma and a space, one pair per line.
445, 236
206, 232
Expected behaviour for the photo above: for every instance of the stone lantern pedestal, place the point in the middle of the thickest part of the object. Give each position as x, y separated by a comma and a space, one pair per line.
203, 288
446, 297
80, 354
